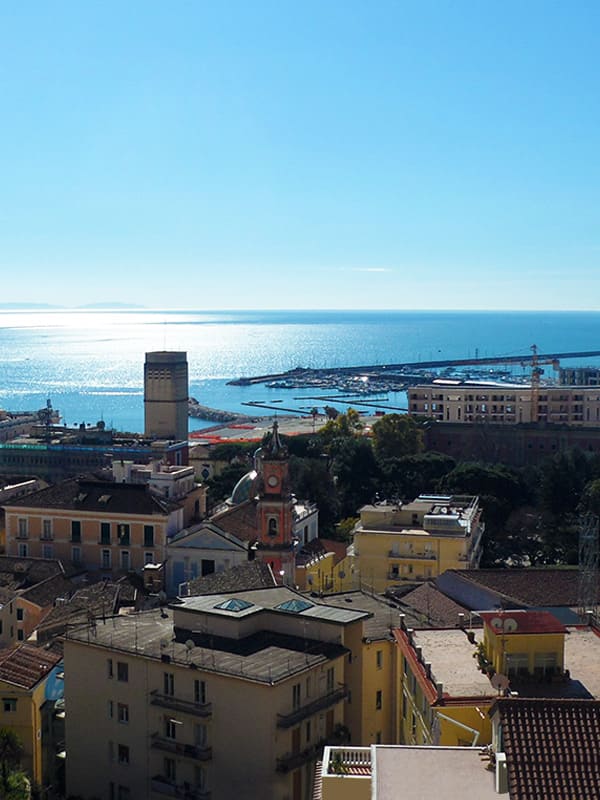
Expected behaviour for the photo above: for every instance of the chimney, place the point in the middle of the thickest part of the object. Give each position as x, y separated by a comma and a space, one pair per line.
440, 690
402, 618
428, 669
501, 774
419, 652
461, 619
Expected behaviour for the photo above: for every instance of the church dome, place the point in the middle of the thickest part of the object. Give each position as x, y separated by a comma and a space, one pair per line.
243, 488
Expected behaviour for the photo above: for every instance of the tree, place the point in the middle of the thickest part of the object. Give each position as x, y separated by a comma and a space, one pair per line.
312, 480
13, 783
396, 435
356, 474
409, 476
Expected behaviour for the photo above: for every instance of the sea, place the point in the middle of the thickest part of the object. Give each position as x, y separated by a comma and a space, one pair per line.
89, 363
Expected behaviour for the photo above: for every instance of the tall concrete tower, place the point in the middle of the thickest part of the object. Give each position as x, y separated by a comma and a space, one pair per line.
166, 396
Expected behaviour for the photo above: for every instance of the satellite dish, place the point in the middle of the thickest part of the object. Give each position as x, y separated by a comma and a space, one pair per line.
510, 625
162, 596
189, 645
164, 643
497, 623
500, 682
342, 574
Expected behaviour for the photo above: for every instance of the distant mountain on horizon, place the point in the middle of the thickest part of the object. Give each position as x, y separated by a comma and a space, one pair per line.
88, 306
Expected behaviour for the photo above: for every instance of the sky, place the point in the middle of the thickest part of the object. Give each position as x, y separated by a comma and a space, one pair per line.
300, 154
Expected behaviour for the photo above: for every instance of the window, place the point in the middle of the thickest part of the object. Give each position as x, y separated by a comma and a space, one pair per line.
46, 529
47, 551
168, 683
75, 530
20, 614
200, 778
9, 704
308, 732
170, 728
123, 534
123, 713
148, 535
272, 526
148, 558
200, 692
330, 679
23, 529
76, 555
23, 551
378, 737
110, 709
105, 560
125, 562
296, 695
308, 687
379, 659
20, 635
378, 698
122, 671
105, 533
170, 769
123, 754
200, 735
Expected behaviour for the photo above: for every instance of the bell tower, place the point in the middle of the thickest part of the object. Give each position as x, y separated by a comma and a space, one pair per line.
275, 507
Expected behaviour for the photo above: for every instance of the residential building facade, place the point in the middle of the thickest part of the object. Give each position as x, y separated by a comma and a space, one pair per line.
218, 696
395, 543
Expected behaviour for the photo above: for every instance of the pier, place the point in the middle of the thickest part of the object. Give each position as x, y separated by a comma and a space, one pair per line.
380, 371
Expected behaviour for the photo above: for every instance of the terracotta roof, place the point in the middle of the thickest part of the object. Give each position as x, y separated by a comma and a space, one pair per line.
98, 496
241, 521
552, 748
26, 665
243, 577
97, 600
529, 586
45, 593
432, 607
516, 622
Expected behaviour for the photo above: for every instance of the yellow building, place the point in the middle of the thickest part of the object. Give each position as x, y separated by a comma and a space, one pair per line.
416, 541
229, 695
448, 678
372, 704
29, 677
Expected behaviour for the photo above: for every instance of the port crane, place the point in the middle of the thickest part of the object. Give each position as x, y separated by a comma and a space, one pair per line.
536, 362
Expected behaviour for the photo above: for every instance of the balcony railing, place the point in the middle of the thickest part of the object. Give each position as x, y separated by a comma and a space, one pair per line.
325, 701
197, 752
162, 785
292, 761
176, 704
409, 556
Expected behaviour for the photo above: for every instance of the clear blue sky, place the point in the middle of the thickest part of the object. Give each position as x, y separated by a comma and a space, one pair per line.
301, 154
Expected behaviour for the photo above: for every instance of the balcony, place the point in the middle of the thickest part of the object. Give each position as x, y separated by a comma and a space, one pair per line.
162, 785
196, 752
321, 703
410, 556
292, 761
176, 704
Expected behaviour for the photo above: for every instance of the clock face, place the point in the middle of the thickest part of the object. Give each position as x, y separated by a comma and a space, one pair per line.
272, 480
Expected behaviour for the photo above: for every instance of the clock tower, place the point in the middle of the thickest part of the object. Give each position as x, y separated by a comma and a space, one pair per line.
275, 508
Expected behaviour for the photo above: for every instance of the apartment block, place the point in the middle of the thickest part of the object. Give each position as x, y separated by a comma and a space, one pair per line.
227, 695
506, 404
395, 542
102, 525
